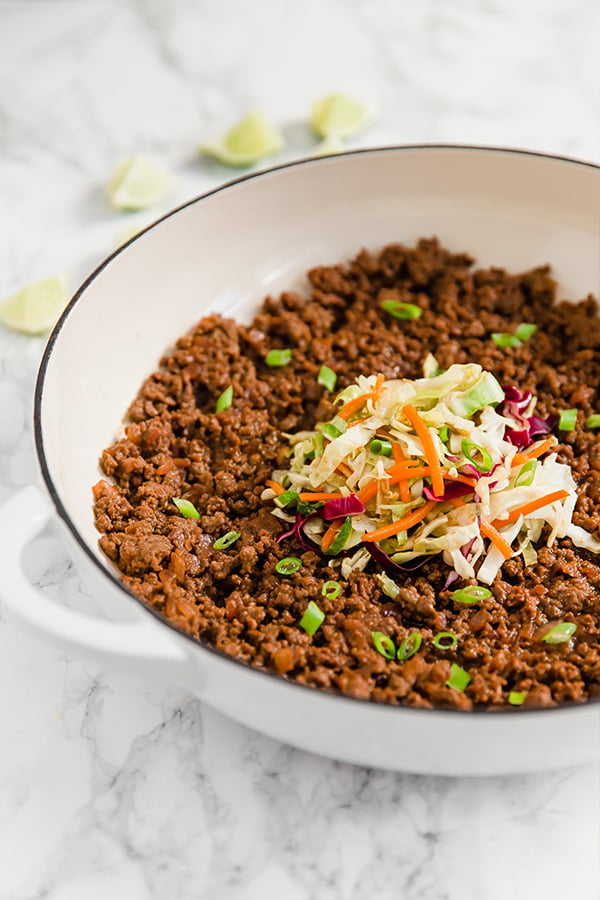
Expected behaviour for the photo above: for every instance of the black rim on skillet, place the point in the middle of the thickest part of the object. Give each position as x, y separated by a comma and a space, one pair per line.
62, 512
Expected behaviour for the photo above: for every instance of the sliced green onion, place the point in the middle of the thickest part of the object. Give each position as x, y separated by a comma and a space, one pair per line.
471, 594
331, 590
561, 633
312, 619
517, 698
458, 679
278, 357
389, 587
400, 310
410, 645
288, 565
506, 340
486, 464
526, 474
380, 448
225, 400
186, 508
227, 540
525, 331
444, 433
339, 541
330, 431
384, 644
567, 420
593, 421
286, 498
445, 640
327, 377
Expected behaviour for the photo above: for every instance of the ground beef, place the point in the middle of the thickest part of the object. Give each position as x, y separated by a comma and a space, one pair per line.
175, 445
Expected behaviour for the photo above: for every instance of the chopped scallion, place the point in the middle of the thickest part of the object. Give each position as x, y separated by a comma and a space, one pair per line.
380, 448
225, 400
525, 331
567, 420
458, 679
330, 431
187, 509
485, 464
223, 543
278, 357
444, 433
445, 640
327, 378
288, 565
471, 594
331, 590
312, 619
410, 645
506, 340
384, 644
526, 474
517, 698
561, 633
400, 310
593, 421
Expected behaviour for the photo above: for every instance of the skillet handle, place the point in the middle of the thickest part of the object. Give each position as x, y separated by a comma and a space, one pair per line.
130, 645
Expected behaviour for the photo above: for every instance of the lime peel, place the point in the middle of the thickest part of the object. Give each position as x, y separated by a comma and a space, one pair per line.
137, 183
250, 140
35, 308
339, 116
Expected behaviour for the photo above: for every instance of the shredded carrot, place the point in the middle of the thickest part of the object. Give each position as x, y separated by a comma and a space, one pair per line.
344, 470
377, 390
275, 487
402, 473
490, 532
330, 534
357, 422
310, 496
431, 456
403, 487
530, 507
402, 524
519, 458
457, 501
353, 406
464, 479
367, 492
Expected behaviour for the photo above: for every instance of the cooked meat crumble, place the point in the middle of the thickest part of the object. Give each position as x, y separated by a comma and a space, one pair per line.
176, 445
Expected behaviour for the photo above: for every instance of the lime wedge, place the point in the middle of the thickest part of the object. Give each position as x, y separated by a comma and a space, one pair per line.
138, 182
247, 142
338, 115
125, 234
36, 307
329, 146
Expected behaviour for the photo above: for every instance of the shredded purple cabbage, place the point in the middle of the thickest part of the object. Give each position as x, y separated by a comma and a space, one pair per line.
305, 542
451, 578
452, 489
512, 407
388, 565
342, 507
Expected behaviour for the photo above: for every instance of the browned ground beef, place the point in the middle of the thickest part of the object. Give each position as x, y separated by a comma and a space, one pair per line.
177, 446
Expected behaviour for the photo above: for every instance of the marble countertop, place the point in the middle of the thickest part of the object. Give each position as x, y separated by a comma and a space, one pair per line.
111, 788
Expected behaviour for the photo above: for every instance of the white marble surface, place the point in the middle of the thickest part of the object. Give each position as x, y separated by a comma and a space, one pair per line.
110, 788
